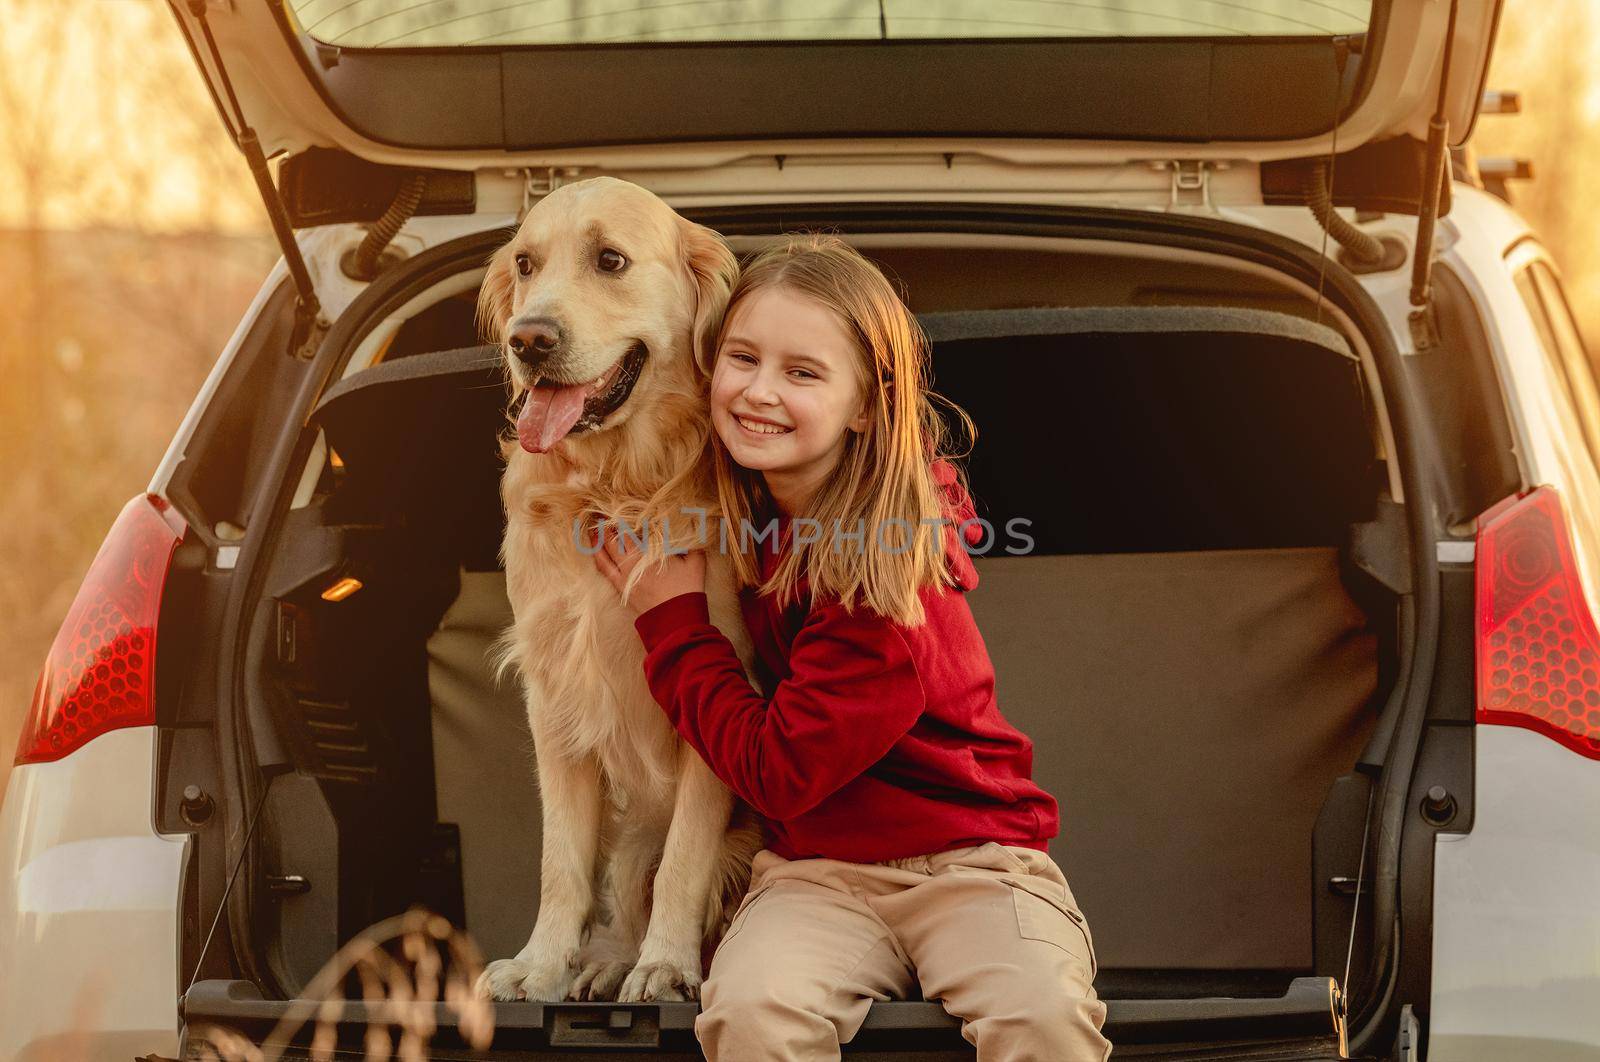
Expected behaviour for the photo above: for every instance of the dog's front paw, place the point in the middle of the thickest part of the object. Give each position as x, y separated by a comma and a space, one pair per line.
509, 979
661, 982
599, 980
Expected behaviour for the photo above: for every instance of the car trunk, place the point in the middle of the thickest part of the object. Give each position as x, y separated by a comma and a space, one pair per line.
1186, 602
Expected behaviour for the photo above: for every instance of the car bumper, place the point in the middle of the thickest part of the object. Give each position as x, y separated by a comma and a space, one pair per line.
88, 908
1516, 909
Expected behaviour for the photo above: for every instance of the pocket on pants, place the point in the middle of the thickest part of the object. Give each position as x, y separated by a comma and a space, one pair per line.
741, 915
1008, 856
1043, 916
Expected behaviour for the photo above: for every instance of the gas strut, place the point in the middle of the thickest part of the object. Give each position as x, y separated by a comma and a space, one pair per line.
1434, 175
308, 309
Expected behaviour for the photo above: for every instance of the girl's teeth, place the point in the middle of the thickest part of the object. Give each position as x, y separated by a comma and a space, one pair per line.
764, 429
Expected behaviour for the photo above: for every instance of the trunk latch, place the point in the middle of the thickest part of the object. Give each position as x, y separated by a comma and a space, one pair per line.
540, 181
591, 1025
1191, 182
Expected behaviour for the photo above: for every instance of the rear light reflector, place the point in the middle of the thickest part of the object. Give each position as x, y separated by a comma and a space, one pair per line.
100, 674
1538, 650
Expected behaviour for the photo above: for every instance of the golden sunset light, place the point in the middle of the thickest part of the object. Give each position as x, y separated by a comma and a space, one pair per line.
742, 528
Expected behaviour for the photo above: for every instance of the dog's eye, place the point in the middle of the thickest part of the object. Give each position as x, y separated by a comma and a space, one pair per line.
524, 265
611, 261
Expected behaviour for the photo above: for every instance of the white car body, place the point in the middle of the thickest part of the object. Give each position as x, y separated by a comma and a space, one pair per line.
90, 901
89, 892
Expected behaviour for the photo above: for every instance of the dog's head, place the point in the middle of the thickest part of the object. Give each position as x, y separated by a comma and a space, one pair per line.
603, 298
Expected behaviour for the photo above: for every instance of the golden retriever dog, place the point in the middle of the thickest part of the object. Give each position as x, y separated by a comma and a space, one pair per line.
604, 303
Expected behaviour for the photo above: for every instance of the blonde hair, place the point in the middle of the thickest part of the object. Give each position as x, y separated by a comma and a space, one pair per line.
883, 484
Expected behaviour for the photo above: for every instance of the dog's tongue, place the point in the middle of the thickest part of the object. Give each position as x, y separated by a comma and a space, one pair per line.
548, 414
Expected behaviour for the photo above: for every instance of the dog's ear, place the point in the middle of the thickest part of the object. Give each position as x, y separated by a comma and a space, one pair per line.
494, 297
714, 269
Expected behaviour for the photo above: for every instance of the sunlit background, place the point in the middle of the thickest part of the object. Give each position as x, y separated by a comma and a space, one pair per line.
131, 240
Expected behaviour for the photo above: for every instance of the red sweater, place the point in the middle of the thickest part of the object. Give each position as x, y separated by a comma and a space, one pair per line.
877, 741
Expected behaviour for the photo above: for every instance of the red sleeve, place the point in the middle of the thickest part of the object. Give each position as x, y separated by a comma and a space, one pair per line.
853, 691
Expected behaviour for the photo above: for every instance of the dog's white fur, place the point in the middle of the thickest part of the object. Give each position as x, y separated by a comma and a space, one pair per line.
633, 819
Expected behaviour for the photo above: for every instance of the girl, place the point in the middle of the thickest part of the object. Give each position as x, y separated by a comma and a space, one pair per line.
908, 841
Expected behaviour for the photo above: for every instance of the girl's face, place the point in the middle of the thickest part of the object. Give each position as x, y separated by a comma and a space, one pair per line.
785, 390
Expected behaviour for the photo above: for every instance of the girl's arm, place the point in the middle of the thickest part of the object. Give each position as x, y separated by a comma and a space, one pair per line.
853, 692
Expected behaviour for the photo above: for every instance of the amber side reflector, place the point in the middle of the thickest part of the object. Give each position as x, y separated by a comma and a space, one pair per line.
341, 589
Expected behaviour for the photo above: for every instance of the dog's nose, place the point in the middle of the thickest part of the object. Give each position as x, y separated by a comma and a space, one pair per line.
534, 339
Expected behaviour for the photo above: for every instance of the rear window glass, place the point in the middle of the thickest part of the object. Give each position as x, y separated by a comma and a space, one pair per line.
1572, 418
1558, 334
501, 23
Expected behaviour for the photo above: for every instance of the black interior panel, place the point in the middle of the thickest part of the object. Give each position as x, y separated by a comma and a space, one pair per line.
1105, 442
1131, 443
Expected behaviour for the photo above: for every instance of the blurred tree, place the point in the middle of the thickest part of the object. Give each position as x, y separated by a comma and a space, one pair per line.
1548, 51
131, 240
39, 157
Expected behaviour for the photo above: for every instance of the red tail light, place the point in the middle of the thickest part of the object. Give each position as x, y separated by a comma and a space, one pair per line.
1538, 651
100, 674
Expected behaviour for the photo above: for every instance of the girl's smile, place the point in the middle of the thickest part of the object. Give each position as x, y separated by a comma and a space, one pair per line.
785, 391
761, 427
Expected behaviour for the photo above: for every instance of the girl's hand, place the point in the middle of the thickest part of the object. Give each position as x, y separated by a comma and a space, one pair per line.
683, 573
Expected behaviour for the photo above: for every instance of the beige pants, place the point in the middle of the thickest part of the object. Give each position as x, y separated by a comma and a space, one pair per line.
992, 932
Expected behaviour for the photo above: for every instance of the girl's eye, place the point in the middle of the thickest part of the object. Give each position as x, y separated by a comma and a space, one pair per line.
739, 355
611, 261
524, 265
804, 374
